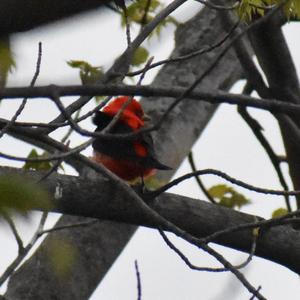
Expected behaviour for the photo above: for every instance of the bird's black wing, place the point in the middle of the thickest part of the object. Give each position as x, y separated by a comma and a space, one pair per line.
118, 148
151, 159
124, 149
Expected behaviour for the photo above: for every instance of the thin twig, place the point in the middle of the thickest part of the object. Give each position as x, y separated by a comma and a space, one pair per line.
253, 296
138, 279
74, 225
257, 131
238, 274
69, 132
198, 179
15, 232
39, 232
24, 101
208, 269
124, 60
59, 156
293, 135
224, 176
286, 219
199, 52
145, 15
53, 168
127, 25
12, 267
255, 234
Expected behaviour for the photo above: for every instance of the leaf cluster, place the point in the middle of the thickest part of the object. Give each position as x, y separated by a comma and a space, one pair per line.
143, 11
87, 72
7, 62
37, 165
19, 195
249, 9
227, 196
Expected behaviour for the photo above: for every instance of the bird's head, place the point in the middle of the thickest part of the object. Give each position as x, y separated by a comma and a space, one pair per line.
133, 114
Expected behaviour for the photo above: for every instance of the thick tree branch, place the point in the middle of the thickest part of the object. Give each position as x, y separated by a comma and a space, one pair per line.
20, 15
81, 197
270, 46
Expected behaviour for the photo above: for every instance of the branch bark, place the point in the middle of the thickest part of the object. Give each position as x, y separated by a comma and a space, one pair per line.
18, 15
81, 197
275, 59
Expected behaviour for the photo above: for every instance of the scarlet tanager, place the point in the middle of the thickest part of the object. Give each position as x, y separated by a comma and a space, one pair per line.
128, 159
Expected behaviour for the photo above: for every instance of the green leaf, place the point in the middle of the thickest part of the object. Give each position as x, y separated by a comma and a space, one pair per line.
227, 196
99, 99
227, 202
136, 11
7, 62
297, 8
87, 72
218, 191
239, 200
140, 56
38, 165
248, 9
77, 63
62, 256
279, 212
19, 195
136, 14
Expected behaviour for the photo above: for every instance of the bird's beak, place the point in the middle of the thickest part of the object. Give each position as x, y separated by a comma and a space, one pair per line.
146, 118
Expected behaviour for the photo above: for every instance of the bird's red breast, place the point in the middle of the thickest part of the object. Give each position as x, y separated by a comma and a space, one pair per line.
128, 159
126, 169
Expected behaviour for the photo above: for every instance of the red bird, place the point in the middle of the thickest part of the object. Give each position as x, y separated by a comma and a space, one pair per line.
128, 159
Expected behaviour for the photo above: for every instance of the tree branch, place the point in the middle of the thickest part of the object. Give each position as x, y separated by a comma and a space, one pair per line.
19, 15
213, 95
275, 58
81, 197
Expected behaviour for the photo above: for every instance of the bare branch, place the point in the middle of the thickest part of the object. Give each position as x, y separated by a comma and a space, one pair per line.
212, 96
138, 279
15, 232
198, 179
206, 221
17, 261
22, 106
224, 176
199, 52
